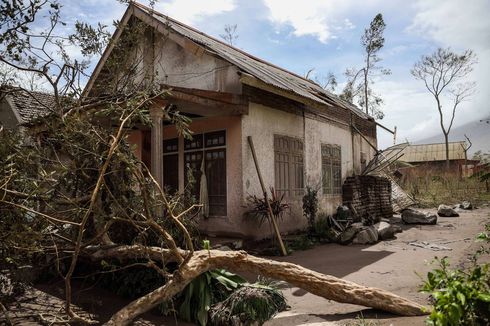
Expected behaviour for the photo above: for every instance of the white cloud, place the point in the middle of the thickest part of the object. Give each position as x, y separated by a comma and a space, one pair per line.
458, 25
189, 11
322, 19
454, 23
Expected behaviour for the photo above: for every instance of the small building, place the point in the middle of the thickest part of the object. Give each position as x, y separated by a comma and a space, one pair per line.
19, 107
431, 159
303, 135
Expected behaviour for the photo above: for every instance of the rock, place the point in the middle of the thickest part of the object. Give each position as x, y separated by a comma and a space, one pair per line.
412, 216
367, 235
350, 233
224, 248
446, 211
466, 205
397, 228
385, 230
238, 244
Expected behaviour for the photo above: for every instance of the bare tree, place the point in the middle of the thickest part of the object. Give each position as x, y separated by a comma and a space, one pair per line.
444, 74
230, 35
359, 81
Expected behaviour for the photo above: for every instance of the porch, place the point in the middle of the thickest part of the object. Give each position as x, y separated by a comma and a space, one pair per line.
215, 152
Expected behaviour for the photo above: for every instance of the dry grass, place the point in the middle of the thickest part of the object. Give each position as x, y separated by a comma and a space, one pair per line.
431, 191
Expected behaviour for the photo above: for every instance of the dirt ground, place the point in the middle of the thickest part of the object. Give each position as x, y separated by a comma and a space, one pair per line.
392, 265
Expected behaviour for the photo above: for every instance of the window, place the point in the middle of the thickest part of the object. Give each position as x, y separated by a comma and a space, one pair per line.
171, 164
210, 147
288, 165
331, 169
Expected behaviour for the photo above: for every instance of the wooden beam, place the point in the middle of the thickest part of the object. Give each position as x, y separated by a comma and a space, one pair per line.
225, 107
229, 98
269, 208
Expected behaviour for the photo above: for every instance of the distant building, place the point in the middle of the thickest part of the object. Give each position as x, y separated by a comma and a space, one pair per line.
431, 159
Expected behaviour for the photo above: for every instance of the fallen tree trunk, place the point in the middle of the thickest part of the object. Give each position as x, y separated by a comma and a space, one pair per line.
326, 286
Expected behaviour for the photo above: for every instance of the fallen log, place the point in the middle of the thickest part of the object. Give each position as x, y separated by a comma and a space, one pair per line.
326, 286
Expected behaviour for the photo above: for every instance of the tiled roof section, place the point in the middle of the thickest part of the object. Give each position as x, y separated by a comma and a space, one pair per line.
260, 69
433, 152
30, 105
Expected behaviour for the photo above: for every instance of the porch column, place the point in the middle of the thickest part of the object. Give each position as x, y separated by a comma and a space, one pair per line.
156, 114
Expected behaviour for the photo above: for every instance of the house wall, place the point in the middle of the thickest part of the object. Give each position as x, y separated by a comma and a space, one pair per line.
8, 117
177, 66
262, 123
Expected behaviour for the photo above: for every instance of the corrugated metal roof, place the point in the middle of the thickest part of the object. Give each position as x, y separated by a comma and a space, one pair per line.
433, 152
260, 69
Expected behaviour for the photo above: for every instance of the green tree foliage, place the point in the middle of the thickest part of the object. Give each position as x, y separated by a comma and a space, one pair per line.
461, 296
360, 81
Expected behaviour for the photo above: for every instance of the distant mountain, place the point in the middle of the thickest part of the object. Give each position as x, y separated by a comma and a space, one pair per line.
477, 131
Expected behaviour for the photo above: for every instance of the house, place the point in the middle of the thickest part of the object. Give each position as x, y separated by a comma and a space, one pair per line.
303, 135
431, 159
19, 107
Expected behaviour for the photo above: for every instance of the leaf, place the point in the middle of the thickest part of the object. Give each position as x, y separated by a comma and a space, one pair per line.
484, 297
461, 298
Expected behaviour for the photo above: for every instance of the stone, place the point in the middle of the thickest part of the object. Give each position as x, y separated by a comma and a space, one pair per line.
466, 205
224, 248
350, 233
385, 230
368, 235
238, 244
446, 211
412, 216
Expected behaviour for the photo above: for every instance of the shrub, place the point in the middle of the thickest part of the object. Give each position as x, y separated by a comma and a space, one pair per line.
461, 296
250, 304
310, 207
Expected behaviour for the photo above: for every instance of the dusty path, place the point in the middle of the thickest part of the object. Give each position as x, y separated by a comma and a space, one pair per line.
391, 265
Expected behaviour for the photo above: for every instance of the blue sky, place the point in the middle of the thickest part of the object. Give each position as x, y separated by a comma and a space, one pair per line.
325, 34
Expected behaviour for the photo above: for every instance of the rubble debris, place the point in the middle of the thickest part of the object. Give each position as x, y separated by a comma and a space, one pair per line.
412, 216
349, 233
367, 235
446, 211
369, 198
428, 245
466, 205
385, 230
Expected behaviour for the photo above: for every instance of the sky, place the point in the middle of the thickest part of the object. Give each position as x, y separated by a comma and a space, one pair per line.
324, 35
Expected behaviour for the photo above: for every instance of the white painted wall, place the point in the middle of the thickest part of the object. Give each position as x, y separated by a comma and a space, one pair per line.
262, 123
177, 66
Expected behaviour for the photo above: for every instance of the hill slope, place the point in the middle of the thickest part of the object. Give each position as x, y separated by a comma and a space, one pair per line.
478, 132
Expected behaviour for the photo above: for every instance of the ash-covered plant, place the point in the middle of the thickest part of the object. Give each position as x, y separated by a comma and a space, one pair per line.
310, 207
259, 210
251, 304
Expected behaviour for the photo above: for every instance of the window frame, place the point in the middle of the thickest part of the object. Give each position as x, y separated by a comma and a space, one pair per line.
331, 162
171, 152
289, 165
204, 149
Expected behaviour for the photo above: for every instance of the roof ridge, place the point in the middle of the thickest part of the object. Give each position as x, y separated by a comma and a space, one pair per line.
224, 43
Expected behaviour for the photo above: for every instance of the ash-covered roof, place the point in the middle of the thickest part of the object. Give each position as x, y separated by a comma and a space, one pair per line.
433, 152
258, 68
28, 104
